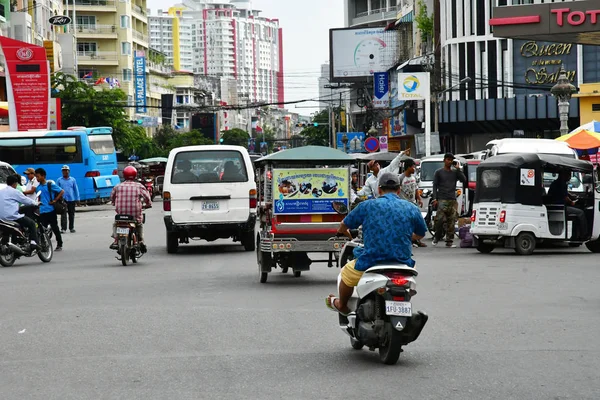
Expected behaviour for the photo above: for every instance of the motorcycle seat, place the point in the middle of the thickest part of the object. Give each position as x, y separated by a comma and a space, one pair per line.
394, 267
13, 224
124, 217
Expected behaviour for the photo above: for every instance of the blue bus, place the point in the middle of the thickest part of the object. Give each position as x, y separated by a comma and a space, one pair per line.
89, 153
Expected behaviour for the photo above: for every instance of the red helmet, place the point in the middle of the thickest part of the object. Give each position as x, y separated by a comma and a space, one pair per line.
129, 173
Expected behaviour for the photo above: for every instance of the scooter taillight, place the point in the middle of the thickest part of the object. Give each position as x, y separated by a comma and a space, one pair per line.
397, 278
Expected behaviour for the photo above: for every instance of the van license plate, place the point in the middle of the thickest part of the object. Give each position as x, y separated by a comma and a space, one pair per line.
210, 205
398, 308
122, 231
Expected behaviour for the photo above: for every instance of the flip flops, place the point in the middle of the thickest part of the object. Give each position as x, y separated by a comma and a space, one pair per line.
330, 303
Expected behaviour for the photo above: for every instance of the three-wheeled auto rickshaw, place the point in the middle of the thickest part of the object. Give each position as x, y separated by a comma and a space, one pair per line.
297, 192
513, 209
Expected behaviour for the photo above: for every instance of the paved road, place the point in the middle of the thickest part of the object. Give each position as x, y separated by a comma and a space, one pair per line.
198, 325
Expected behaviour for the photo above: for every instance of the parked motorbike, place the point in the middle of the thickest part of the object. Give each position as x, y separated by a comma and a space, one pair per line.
15, 240
128, 246
381, 310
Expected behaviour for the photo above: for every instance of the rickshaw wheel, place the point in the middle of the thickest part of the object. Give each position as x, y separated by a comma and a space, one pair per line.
485, 248
525, 243
262, 258
593, 246
297, 274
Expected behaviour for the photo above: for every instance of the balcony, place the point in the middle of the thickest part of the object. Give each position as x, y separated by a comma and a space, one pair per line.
140, 38
97, 58
379, 15
139, 13
93, 5
96, 31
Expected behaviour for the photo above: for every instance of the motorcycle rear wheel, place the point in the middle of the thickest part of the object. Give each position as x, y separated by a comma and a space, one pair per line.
390, 353
123, 254
46, 251
7, 260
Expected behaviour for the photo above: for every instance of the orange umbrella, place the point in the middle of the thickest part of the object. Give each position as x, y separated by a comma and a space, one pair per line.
581, 140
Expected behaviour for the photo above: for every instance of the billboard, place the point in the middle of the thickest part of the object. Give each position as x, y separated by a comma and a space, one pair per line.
356, 142
414, 86
359, 53
381, 89
140, 84
309, 190
27, 85
395, 101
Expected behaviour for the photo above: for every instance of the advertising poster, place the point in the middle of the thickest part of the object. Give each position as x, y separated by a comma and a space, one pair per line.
381, 90
251, 145
27, 85
356, 142
414, 86
398, 124
309, 190
140, 84
361, 52
264, 148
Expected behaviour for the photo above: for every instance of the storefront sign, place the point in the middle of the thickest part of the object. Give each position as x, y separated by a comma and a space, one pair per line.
381, 90
310, 190
140, 84
540, 62
27, 85
59, 20
575, 18
414, 86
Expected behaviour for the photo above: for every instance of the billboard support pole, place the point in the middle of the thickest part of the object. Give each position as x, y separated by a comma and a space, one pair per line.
428, 125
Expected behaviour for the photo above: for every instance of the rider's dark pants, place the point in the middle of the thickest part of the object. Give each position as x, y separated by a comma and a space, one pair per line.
580, 230
28, 223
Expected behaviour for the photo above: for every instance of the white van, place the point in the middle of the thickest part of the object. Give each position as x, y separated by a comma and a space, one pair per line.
209, 193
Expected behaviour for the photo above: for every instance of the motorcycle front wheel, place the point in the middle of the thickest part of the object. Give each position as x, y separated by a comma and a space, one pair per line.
45, 251
7, 259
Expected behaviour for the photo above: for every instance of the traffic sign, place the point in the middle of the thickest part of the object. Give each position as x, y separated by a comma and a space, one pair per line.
372, 144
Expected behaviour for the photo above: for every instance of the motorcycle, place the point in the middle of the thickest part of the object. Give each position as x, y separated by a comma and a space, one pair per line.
15, 242
381, 314
149, 184
128, 246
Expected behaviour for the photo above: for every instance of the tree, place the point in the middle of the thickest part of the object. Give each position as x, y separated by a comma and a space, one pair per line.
163, 136
191, 138
317, 135
424, 22
236, 137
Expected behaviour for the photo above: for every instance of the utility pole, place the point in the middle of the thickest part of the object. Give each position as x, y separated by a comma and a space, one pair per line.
333, 139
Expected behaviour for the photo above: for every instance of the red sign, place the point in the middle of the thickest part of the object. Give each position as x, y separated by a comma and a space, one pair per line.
27, 84
372, 144
575, 18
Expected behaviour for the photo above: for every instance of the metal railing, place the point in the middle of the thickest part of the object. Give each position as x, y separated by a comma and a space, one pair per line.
95, 3
97, 29
140, 36
377, 11
138, 9
97, 56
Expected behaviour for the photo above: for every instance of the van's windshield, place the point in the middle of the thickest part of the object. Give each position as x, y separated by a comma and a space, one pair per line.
428, 169
209, 166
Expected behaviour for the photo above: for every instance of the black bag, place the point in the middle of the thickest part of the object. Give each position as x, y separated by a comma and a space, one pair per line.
61, 205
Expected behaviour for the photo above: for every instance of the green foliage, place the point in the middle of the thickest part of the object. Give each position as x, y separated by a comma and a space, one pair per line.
235, 137
424, 21
317, 135
191, 138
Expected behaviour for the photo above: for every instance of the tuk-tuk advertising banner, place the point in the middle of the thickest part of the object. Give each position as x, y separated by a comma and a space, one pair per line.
309, 190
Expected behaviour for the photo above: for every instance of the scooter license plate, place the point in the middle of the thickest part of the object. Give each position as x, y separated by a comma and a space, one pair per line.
398, 308
122, 231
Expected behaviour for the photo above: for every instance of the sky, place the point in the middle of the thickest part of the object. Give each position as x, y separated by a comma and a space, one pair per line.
306, 25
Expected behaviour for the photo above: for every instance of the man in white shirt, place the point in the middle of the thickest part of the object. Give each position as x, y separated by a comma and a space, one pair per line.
371, 187
32, 183
10, 200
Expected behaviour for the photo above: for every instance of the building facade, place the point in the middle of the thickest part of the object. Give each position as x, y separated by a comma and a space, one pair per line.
171, 33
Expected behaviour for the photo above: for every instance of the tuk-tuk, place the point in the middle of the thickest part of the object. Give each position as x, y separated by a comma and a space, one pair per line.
512, 208
297, 192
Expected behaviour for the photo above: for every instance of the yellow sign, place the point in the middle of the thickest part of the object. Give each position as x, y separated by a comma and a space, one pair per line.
310, 190
538, 73
49, 46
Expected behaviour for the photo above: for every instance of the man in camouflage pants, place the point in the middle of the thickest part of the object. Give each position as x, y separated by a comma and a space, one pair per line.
444, 198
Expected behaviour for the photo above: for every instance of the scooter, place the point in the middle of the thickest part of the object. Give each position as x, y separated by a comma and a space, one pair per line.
129, 248
381, 314
149, 185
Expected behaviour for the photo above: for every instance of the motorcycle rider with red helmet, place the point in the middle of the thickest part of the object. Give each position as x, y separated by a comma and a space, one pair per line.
127, 199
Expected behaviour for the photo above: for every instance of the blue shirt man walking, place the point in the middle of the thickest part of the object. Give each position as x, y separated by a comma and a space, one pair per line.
71, 196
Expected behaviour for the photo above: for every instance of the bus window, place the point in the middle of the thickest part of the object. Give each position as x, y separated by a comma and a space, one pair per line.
57, 150
16, 151
101, 144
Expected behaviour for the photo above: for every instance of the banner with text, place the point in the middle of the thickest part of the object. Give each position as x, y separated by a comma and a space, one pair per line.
381, 88
140, 84
27, 85
310, 190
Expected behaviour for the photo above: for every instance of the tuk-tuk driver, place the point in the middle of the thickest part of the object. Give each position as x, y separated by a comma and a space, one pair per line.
559, 194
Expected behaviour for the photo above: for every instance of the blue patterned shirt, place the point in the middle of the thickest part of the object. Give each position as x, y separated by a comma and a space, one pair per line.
388, 224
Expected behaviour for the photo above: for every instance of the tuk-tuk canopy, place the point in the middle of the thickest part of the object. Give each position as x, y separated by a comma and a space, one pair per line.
307, 155
518, 178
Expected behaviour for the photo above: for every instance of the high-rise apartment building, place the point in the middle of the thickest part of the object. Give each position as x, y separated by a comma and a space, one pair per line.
229, 39
171, 33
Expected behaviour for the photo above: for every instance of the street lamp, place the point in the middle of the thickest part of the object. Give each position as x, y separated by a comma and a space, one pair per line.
372, 131
345, 142
438, 97
563, 90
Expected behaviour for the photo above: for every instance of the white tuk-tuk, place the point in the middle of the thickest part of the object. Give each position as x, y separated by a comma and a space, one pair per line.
512, 209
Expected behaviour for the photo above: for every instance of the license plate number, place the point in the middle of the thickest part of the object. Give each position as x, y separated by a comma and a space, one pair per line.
398, 308
210, 205
122, 231
108, 182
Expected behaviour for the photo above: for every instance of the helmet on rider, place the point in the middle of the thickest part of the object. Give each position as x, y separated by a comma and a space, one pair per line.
129, 173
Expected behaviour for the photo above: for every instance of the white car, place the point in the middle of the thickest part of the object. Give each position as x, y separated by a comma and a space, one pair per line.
5, 170
209, 193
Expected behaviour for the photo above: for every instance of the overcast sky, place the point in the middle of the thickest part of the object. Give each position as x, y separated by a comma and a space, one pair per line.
306, 25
